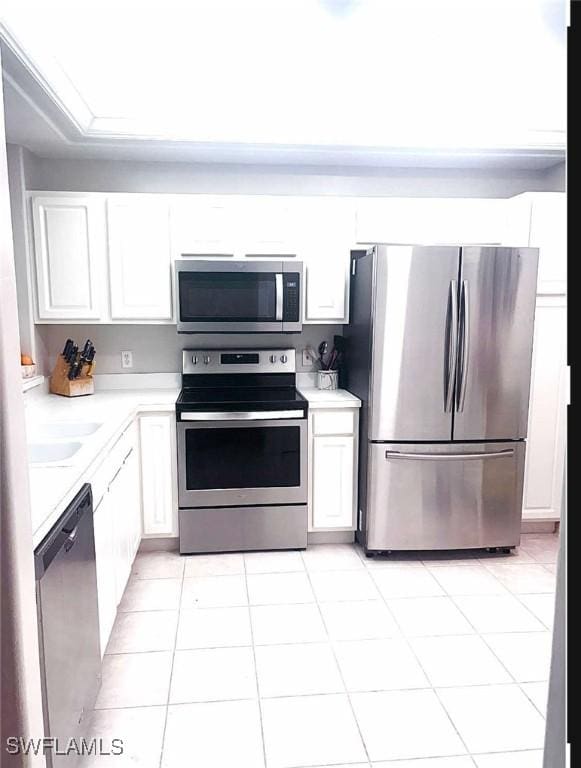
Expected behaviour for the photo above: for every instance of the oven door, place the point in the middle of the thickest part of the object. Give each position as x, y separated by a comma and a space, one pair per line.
242, 459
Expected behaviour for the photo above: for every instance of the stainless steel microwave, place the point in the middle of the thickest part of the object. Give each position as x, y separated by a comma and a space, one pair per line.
238, 296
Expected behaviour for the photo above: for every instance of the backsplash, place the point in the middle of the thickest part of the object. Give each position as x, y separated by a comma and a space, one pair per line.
158, 348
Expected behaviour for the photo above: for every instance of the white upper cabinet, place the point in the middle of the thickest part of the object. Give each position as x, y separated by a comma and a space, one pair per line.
270, 226
328, 234
539, 219
430, 221
204, 225
140, 280
549, 234
69, 250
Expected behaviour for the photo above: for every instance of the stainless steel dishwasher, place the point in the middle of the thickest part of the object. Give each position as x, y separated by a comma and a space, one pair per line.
68, 623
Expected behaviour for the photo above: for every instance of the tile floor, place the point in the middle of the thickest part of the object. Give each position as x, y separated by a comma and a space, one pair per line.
327, 658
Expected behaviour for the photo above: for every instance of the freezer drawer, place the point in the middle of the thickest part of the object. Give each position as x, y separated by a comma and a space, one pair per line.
444, 495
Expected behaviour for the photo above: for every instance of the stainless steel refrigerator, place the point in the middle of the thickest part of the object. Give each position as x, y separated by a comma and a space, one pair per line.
439, 349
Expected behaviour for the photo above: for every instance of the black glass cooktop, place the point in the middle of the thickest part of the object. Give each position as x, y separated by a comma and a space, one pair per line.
239, 398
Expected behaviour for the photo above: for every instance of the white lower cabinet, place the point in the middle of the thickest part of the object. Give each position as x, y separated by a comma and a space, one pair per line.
117, 524
545, 456
105, 560
158, 474
333, 443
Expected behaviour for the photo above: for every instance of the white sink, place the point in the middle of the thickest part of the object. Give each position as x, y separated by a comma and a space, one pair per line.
65, 429
50, 453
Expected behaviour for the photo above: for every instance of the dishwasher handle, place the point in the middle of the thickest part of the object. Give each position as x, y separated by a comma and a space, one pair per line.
64, 531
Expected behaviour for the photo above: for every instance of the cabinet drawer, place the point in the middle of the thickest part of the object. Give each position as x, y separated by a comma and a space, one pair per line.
333, 422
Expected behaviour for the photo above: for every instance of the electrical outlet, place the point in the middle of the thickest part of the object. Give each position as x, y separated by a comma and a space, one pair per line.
307, 358
127, 359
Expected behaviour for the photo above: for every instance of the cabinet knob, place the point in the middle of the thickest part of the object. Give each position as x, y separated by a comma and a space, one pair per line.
283, 358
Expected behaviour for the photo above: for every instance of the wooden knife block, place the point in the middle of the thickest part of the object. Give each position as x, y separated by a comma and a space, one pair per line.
60, 384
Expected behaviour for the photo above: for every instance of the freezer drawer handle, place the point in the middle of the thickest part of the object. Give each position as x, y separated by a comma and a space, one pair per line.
450, 456
451, 351
240, 415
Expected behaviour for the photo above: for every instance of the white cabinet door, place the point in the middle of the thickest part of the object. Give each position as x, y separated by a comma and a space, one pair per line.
69, 252
333, 481
139, 259
204, 226
549, 234
545, 454
430, 221
158, 474
105, 563
133, 501
269, 226
328, 234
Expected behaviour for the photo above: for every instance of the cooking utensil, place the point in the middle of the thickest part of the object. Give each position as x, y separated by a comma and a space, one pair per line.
323, 346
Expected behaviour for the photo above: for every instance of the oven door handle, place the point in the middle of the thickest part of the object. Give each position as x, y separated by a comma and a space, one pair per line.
279, 296
240, 415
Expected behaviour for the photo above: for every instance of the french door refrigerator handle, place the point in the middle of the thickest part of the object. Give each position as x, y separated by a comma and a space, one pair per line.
465, 348
450, 456
279, 296
451, 352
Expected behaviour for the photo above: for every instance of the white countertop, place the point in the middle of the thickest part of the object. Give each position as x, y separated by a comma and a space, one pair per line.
52, 487
329, 398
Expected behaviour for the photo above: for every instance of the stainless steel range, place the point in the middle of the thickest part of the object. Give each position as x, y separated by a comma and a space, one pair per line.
242, 451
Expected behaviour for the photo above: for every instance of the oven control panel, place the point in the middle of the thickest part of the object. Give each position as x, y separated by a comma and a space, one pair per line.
238, 361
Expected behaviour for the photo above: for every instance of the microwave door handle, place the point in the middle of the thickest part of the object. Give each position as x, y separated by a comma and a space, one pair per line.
279, 296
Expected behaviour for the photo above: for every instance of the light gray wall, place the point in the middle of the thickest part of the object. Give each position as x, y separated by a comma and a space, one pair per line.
555, 178
114, 176
158, 348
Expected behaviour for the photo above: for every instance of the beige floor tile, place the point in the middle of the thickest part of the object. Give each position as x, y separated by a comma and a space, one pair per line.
279, 588
514, 557
213, 628
406, 582
528, 759
140, 631
390, 725
151, 595
542, 606
538, 693
358, 620
158, 565
493, 718
461, 660
140, 729
134, 680
273, 562
543, 548
497, 613
221, 734
330, 586
214, 592
526, 655
310, 730
523, 579
297, 670
379, 665
429, 616
463, 761
331, 557
274, 624
468, 580
228, 564
213, 674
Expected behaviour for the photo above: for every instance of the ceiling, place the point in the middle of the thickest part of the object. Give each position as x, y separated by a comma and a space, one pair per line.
376, 82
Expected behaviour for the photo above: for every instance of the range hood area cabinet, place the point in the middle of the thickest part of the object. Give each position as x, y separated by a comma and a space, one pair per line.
107, 258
